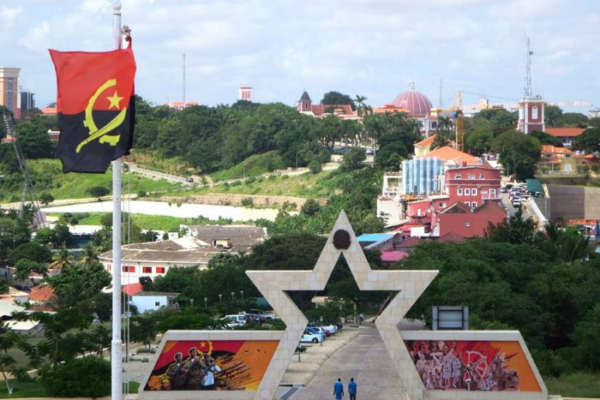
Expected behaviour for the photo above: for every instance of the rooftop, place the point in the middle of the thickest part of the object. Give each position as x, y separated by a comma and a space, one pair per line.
240, 237
42, 294
448, 153
564, 132
148, 294
427, 142
548, 148
375, 237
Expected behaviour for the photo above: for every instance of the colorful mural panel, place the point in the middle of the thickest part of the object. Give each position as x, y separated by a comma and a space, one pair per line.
473, 365
211, 365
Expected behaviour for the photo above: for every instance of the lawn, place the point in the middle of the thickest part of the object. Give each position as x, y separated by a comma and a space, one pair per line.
581, 384
255, 165
23, 389
49, 178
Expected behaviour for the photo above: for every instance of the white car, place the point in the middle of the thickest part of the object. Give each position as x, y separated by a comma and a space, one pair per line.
263, 314
234, 320
331, 328
310, 337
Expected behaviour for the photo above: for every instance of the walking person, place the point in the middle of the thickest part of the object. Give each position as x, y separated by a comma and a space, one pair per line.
352, 389
338, 389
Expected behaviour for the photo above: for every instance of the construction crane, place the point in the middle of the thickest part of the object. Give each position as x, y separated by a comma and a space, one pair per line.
513, 104
28, 188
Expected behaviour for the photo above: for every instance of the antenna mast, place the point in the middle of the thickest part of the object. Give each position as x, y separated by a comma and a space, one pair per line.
441, 99
528, 85
183, 81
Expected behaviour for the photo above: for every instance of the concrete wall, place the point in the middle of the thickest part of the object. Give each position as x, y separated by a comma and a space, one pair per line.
572, 202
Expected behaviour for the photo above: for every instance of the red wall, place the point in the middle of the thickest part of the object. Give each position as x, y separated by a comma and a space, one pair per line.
491, 180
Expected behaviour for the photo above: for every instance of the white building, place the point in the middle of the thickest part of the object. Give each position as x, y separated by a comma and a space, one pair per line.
153, 301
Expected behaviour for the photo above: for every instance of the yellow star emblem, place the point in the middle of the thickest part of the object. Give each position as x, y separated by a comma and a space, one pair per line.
202, 344
114, 101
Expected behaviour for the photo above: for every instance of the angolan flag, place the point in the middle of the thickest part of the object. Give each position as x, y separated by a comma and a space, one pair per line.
95, 106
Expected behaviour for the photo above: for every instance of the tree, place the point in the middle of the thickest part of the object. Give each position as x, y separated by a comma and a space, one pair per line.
552, 115
545, 138
337, 98
62, 235
30, 251
361, 107
499, 120
26, 267
573, 119
98, 191
90, 255
8, 365
44, 236
310, 207
79, 377
46, 198
354, 159
34, 140
62, 258
315, 167
588, 141
516, 230
479, 141
519, 153
442, 139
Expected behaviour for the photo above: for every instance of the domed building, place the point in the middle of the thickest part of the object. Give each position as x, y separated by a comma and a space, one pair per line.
415, 104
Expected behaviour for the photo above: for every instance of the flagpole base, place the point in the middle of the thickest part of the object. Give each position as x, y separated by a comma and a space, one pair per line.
116, 369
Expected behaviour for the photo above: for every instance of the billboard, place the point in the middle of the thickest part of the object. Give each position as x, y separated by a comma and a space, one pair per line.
473, 365
211, 365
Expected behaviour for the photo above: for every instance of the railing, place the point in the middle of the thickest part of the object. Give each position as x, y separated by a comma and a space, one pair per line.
491, 196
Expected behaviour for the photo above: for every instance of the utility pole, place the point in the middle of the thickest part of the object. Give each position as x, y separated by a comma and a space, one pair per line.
183, 81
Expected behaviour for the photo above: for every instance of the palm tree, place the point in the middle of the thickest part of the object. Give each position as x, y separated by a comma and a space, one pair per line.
360, 105
90, 255
444, 123
62, 258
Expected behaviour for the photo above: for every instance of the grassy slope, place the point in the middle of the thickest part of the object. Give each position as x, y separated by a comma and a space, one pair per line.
68, 186
575, 385
255, 165
307, 185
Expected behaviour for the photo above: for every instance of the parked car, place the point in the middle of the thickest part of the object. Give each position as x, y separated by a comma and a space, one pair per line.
234, 320
517, 203
316, 332
370, 152
262, 313
322, 330
253, 318
331, 328
310, 337
503, 189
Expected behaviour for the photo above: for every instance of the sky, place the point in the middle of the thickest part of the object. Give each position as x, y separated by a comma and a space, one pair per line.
372, 48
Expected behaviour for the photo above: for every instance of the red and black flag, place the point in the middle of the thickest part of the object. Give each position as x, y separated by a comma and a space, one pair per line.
95, 105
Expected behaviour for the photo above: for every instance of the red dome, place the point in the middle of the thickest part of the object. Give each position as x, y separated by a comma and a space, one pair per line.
417, 104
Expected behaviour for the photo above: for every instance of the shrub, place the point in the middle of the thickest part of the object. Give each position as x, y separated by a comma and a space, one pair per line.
98, 191
310, 207
247, 201
315, 167
79, 377
142, 193
46, 198
272, 177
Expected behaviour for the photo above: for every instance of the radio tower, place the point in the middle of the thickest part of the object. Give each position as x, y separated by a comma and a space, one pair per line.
528, 85
183, 81
441, 99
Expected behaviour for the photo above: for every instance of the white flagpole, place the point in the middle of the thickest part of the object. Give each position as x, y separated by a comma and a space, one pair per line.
117, 343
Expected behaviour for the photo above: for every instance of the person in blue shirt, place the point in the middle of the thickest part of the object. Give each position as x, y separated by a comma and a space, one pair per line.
338, 389
352, 389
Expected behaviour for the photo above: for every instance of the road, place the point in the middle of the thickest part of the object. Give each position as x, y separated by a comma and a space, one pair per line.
367, 361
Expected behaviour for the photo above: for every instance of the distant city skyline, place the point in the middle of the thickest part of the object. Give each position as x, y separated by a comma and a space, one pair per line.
368, 47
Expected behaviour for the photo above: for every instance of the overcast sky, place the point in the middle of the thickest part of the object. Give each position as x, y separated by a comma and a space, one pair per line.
280, 47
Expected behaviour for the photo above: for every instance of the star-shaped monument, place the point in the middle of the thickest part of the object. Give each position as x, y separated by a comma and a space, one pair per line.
114, 101
274, 284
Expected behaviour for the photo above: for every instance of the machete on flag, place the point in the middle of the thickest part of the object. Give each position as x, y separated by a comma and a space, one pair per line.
95, 105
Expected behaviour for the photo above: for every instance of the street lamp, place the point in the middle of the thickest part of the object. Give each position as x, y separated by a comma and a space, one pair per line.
206, 302
232, 295
322, 330
220, 298
192, 301
242, 293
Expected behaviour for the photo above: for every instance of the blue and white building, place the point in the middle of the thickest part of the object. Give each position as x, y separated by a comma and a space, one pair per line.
421, 175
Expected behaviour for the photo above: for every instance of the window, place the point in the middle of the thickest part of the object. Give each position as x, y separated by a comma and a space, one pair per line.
492, 192
471, 176
481, 176
147, 270
467, 192
157, 304
474, 192
468, 203
534, 113
160, 270
442, 205
468, 224
474, 204
127, 268
459, 192
458, 176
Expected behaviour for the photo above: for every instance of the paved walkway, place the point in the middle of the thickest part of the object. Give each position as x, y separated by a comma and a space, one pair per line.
367, 360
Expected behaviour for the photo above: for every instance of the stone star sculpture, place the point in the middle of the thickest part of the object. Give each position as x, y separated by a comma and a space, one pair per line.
274, 284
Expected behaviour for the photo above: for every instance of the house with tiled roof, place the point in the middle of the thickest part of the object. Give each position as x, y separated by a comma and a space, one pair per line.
465, 221
306, 106
566, 135
423, 148
557, 160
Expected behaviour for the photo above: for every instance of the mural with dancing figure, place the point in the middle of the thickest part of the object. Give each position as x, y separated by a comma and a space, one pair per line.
211, 365
473, 365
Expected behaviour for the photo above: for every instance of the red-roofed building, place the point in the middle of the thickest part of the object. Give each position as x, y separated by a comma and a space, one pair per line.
557, 160
43, 295
423, 148
392, 257
466, 222
180, 105
305, 106
448, 153
49, 111
566, 135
